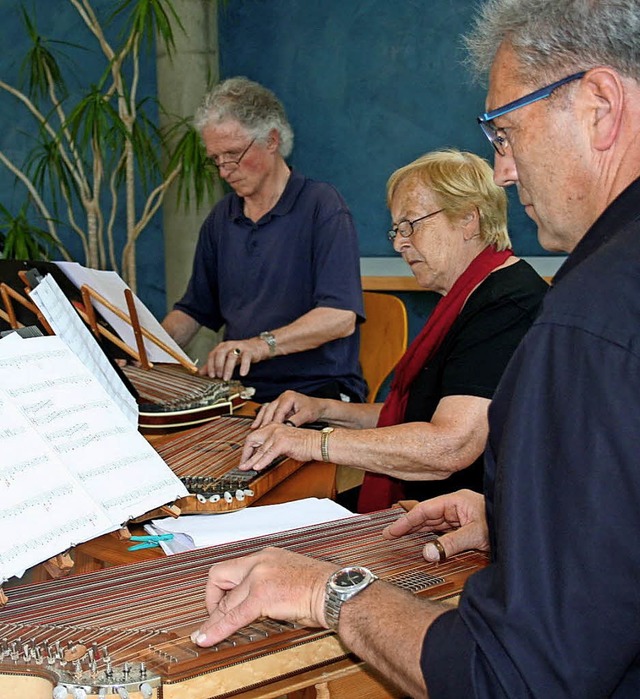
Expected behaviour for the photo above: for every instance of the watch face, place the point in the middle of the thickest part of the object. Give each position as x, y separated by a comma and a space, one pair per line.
349, 577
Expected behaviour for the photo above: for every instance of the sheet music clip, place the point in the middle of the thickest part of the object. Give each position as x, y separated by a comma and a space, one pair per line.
26, 332
8, 295
149, 541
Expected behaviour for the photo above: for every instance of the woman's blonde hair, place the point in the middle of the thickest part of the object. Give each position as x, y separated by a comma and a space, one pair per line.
460, 181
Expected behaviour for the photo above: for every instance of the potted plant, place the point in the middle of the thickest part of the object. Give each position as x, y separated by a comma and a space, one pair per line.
98, 153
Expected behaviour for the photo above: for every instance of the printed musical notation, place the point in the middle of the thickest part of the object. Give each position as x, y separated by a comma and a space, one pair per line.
66, 323
73, 466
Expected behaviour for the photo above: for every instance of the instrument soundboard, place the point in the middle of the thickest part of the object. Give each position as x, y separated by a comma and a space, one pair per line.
126, 631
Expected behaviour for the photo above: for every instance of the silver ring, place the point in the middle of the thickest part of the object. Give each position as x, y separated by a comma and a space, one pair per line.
237, 351
288, 422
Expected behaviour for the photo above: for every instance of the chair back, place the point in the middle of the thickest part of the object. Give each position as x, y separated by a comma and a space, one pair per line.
383, 338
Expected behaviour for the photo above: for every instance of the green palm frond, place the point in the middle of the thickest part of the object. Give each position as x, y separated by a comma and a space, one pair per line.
22, 240
197, 174
150, 20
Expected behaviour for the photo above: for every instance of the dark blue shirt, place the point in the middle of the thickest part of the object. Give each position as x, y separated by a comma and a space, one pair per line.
252, 277
557, 612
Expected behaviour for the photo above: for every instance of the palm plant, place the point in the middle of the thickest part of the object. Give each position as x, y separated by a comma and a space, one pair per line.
22, 240
101, 153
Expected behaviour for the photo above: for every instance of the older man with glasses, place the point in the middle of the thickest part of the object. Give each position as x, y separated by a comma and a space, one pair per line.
555, 614
277, 261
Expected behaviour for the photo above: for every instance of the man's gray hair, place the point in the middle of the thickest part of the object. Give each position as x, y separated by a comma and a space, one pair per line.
553, 38
252, 105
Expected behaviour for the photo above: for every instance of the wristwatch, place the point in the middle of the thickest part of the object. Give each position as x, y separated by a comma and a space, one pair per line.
341, 587
270, 340
324, 442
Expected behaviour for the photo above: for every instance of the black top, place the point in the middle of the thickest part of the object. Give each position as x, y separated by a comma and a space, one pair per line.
473, 356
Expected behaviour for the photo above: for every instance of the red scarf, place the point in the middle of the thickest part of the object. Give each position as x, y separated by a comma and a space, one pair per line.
379, 490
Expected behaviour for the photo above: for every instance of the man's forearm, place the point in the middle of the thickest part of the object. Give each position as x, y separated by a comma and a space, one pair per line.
315, 328
385, 626
180, 326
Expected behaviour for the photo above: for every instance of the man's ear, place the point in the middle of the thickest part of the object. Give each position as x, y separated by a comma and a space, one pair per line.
273, 140
605, 94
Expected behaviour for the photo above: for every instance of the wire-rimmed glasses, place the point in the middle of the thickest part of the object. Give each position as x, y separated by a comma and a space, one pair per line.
405, 227
232, 163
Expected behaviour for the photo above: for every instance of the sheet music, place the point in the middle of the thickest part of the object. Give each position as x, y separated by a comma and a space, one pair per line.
68, 326
109, 285
195, 531
72, 465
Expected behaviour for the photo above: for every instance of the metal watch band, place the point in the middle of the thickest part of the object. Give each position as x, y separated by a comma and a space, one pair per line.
335, 598
270, 339
324, 442
332, 607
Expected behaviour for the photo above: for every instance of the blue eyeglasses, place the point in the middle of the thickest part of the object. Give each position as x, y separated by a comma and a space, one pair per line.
496, 136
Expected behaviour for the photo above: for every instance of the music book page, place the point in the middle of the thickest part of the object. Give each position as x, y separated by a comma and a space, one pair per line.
73, 466
112, 287
68, 326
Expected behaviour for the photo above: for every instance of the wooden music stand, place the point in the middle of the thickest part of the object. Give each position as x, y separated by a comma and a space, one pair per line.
7, 294
140, 353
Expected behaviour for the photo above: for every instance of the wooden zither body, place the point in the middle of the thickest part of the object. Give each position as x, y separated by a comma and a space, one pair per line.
170, 396
206, 460
125, 631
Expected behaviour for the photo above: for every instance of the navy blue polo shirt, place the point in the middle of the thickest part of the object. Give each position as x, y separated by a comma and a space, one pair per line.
556, 613
255, 276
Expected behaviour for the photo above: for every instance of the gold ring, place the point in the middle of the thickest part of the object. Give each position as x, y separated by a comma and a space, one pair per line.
442, 554
237, 351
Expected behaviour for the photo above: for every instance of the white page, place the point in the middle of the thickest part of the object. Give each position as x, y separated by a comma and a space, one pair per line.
43, 508
110, 285
101, 463
69, 327
197, 531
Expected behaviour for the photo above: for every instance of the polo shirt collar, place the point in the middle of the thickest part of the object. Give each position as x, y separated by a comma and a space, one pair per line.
622, 210
282, 207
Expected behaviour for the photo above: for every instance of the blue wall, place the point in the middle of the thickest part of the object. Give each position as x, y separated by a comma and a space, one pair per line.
368, 86
57, 20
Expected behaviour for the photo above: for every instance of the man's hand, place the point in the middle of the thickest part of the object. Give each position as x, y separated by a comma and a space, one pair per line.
266, 444
292, 408
224, 357
273, 583
461, 515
